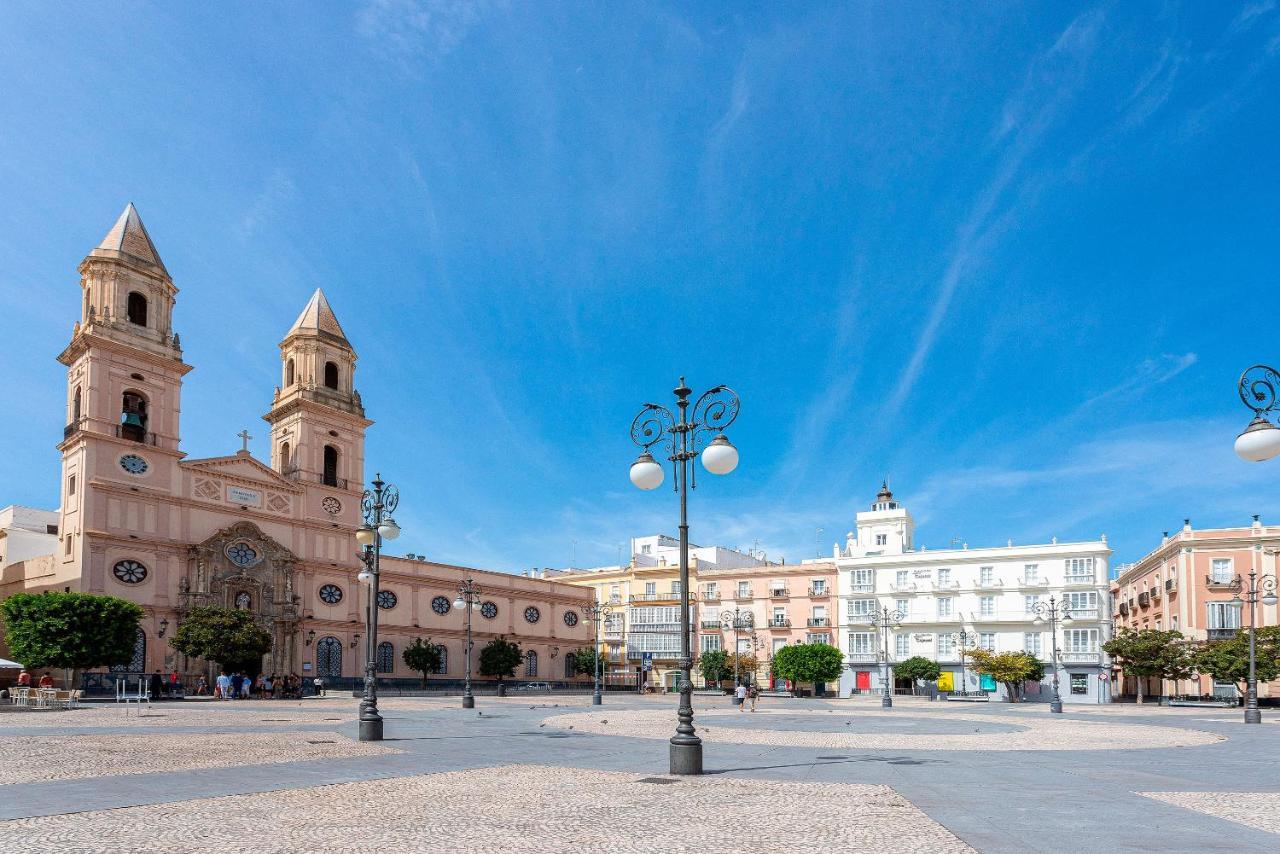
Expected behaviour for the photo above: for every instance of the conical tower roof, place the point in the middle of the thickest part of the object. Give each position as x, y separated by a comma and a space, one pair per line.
318, 318
129, 237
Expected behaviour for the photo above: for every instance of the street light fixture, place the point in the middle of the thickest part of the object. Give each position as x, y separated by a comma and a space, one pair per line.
713, 412
469, 598
966, 641
885, 619
597, 612
1260, 588
735, 621
1261, 439
1055, 612
376, 507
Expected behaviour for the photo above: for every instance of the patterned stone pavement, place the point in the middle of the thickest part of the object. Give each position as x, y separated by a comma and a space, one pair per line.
511, 808
1259, 810
67, 757
1031, 733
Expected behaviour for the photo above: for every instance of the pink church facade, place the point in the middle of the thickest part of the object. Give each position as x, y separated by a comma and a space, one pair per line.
142, 521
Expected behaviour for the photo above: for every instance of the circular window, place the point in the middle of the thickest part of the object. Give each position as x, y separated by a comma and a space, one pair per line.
133, 464
440, 605
488, 610
532, 614
243, 601
330, 594
331, 505
242, 554
570, 618
386, 600
129, 571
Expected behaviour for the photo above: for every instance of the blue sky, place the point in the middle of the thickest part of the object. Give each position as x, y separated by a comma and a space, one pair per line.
1014, 256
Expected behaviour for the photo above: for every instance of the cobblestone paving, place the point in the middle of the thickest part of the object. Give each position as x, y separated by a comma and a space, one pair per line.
1259, 810
510, 808
68, 757
1032, 733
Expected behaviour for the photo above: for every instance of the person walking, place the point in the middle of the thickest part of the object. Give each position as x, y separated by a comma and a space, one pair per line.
223, 686
202, 687
268, 685
739, 695
753, 693
319, 683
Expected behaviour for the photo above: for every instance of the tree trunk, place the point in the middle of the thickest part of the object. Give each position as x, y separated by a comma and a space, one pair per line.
1140, 680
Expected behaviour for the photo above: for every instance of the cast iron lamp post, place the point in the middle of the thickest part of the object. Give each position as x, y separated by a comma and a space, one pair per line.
469, 598
597, 612
1261, 439
885, 619
1055, 612
735, 621
965, 641
377, 505
713, 412
1259, 587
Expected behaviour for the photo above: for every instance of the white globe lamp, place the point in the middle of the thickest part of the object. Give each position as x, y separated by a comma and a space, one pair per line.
1259, 441
646, 473
720, 457
389, 529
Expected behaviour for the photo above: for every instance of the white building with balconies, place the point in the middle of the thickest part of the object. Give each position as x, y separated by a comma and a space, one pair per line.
987, 597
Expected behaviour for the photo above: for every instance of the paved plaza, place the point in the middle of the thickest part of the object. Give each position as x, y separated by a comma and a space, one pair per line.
553, 774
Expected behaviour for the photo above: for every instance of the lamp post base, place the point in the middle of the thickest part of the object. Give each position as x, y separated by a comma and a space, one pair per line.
686, 758
371, 729
1252, 716
1055, 706
596, 699
886, 702
468, 701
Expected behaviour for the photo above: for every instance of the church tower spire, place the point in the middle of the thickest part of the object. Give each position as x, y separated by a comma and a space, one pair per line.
317, 418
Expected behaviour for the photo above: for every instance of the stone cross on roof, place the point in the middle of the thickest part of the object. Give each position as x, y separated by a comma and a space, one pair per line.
244, 438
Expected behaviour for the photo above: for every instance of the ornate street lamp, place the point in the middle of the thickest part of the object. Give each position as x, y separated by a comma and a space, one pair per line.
1263, 587
964, 641
886, 619
735, 621
597, 612
1261, 439
376, 505
1055, 612
469, 598
713, 412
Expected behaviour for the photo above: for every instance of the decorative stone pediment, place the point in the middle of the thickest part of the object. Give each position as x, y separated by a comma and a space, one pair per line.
240, 467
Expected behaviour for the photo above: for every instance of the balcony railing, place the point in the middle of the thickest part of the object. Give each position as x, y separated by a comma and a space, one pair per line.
711, 596
779, 623
1124, 609
1083, 613
863, 657
309, 477
993, 584
1079, 579
1170, 587
863, 588
134, 434
815, 622
1155, 592
1219, 581
743, 597
1144, 601
1221, 634
1078, 657
819, 591
1033, 582
779, 592
947, 585
664, 655
710, 625
903, 588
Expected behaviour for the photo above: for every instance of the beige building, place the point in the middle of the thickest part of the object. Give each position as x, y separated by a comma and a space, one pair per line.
1187, 584
141, 520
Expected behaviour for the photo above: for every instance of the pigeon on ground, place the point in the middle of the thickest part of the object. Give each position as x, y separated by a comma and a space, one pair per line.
604, 721
540, 726
570, 726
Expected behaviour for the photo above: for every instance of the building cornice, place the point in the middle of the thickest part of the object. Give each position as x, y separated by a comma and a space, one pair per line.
995, 554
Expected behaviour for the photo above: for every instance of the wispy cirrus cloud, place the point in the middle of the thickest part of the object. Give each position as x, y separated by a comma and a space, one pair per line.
419, 29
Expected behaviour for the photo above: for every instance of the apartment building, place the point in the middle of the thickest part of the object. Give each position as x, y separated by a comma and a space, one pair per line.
1188, 584
987, 597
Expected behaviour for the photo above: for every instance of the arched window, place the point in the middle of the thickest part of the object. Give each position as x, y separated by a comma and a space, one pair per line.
329, 657
331, 375
136, 308
288, 373
138, 661
444, 659
570, 666
330, 465
284, 458
133, 416
75, 406
530, 663
386, 657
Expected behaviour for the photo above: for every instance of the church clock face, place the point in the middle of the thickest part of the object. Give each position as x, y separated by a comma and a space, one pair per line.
133, 464
488, 610
440, 605
330, 594
331, 505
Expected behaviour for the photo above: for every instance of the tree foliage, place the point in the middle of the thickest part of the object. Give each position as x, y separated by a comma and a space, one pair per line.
745, 664
500, 657
1228, 660
423, 657
70, 630
808, 662
918, 669
227, 636
1151, 654
1011, 669
584, 661
714, 666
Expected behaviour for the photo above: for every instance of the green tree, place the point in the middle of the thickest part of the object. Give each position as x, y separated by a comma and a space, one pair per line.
500, 657
918, 669
1011, 669
808, 662
69, 630
584, 661
745, 664
1151, 654
714, 666
227, 636
1228, 660
423, 657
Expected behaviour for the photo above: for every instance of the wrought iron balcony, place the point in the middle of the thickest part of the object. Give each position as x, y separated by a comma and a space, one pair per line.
1219, 581
819, 592
814, 622
779, 592
993, 584
710, 625
744, 597
711, 595
1221, 634
777, 623
1144, 601
903, 588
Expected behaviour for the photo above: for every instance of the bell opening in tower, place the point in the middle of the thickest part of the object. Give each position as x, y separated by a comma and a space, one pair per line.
133, 417
136, 308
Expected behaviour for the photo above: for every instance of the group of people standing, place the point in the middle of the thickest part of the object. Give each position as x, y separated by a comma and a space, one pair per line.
241, 686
